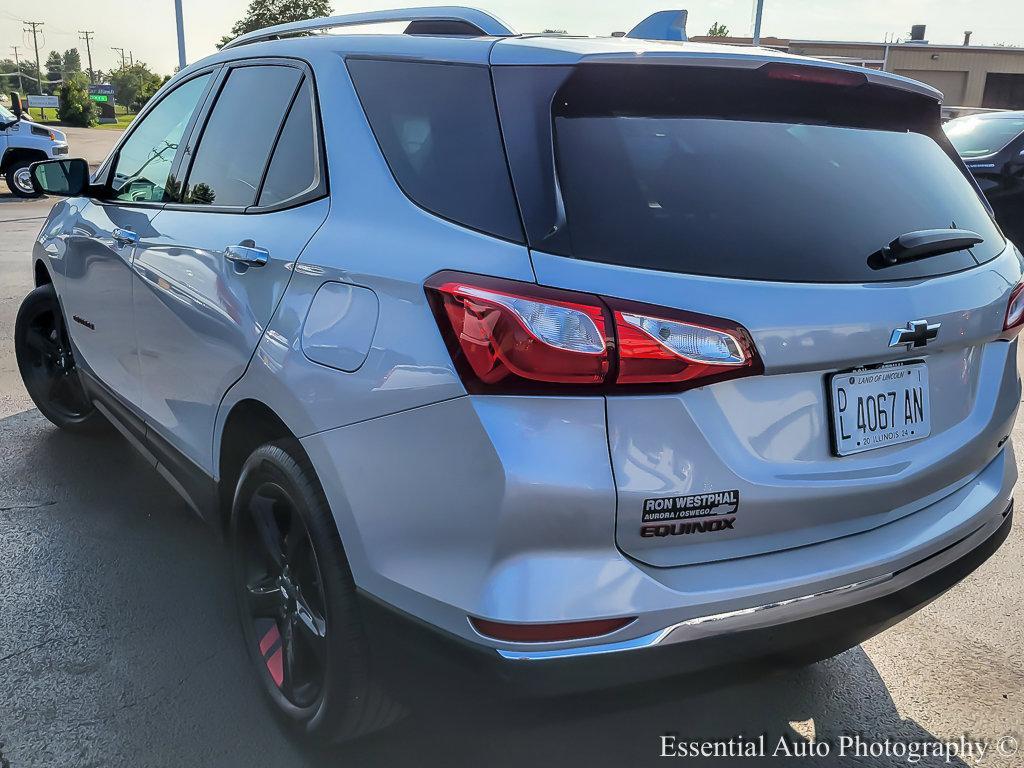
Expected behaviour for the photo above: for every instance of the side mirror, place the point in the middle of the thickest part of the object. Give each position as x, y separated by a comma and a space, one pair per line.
68, 178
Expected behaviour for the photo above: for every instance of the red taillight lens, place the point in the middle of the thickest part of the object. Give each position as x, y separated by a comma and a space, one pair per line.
508, 331
658, 345
548, 633
508, 336
1015, 309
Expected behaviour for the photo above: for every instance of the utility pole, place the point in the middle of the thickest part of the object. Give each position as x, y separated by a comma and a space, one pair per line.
131, 59
17, 66
35, 25
757, 22
181, 34
120, 51
87, 37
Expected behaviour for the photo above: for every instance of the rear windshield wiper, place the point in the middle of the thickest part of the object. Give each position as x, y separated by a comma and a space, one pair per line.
922, 244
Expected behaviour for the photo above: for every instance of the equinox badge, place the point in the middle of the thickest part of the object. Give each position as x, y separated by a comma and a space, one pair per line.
917, 334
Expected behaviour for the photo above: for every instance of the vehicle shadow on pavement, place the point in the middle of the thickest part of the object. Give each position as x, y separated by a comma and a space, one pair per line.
841, 696
119, 646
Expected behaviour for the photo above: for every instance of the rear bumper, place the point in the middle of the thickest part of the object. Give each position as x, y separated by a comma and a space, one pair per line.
796, 631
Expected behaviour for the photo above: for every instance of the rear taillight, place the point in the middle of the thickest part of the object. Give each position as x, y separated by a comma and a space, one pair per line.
663, 346
804, 73
506, 332
509, 336
1015, 309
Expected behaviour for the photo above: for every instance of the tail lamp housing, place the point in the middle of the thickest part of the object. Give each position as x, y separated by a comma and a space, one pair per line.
511, 337
1015, 309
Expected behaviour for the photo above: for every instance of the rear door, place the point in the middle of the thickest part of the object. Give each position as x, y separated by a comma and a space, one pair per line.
767, 198
219, 260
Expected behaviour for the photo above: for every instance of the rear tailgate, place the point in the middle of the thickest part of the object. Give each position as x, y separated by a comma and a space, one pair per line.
768, 438
767, 199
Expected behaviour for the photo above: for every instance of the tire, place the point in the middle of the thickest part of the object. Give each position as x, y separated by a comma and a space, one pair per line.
297, 601
47, 364
18, 181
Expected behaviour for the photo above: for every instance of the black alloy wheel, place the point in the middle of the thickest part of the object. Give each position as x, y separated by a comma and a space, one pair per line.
300, 618
47, 362
284, 596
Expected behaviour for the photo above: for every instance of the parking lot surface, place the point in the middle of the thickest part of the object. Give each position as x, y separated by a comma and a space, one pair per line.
118, 643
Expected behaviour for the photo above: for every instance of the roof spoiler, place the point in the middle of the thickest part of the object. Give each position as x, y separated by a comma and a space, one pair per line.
663, 25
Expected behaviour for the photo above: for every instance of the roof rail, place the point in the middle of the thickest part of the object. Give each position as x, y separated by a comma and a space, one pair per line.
487, 24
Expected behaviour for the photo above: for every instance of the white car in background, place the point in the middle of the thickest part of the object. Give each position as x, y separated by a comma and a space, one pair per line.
22, 143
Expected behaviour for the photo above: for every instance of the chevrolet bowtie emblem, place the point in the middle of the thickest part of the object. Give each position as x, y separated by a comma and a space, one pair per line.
917, 334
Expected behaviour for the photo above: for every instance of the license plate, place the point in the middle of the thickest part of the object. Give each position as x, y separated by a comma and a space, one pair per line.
876, 407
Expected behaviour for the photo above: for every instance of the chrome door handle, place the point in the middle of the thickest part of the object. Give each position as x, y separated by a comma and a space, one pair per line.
248, 255
124, 236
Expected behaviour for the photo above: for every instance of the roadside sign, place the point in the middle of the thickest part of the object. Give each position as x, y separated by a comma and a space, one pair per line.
43, 102
102, 95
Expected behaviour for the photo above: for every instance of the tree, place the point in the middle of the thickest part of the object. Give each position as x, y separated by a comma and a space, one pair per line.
74, 105
72, 61
54, 72
267, 13
9, 76
718, 30
135, 85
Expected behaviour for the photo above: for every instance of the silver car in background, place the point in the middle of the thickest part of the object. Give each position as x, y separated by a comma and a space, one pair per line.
563, 362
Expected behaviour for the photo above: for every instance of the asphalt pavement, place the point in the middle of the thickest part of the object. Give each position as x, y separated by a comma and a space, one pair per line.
118, 644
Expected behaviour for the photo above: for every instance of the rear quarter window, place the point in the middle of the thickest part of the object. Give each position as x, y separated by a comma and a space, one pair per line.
438, 129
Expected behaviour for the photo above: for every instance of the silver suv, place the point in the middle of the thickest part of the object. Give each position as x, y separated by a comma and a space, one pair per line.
576, 362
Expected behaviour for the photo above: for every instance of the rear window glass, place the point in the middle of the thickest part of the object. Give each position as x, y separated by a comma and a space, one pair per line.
438, 129
758, 200
980, 136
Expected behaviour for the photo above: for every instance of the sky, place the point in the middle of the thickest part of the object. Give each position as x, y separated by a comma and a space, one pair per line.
146, 27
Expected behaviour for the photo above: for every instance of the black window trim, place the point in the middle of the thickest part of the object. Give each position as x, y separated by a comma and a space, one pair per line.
107, 169
198, 127
317, 191
521, 240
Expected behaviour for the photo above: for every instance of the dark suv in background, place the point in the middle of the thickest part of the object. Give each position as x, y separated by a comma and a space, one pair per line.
992, 146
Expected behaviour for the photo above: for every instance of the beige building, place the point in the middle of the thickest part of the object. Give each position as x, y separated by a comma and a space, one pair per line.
968, 75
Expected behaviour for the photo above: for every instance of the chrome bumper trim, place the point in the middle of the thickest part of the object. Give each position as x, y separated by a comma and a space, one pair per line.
656, 637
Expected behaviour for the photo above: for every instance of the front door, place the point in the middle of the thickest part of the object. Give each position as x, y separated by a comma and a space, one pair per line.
102, 240
218, 263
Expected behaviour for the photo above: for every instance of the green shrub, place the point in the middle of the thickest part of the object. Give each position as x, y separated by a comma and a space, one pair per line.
74, 105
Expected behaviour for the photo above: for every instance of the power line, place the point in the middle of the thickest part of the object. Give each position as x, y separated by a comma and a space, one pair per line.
35, 25
87, 36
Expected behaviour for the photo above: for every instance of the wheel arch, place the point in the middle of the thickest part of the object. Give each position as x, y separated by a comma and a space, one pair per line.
42, 273
249, 424
14, 155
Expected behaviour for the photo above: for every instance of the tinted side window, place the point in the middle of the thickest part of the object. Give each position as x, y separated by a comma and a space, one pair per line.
236, 142
144, 161
438, 129
294, 169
